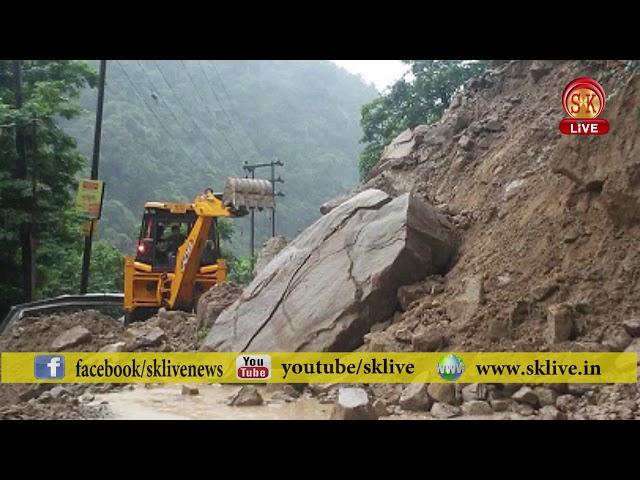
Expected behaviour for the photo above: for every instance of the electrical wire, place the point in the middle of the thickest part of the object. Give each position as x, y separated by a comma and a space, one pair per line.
209, 110
155, 114
231, 118
178, 122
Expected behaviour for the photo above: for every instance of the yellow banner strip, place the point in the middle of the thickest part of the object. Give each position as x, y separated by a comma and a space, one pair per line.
352, 367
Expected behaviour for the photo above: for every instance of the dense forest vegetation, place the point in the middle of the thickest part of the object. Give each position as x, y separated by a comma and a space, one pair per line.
173, 128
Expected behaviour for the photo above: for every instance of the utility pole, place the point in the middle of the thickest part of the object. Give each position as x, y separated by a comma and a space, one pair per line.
86, 257
26, 242
252, 170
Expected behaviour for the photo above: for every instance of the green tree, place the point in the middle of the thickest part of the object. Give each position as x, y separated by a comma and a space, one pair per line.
50, 91
408, 103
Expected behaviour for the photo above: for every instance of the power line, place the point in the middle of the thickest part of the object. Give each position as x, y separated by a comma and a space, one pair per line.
174, 115
155, 115
209, 110
231, 118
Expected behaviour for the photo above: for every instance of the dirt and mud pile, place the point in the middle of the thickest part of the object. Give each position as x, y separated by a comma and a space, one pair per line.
550, 223
92, 331
550, 226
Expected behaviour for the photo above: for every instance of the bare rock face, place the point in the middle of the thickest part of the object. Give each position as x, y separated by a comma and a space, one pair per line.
269, 250
327, 288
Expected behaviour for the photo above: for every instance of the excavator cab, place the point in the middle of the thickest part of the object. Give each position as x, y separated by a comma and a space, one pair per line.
177, 255
158, 242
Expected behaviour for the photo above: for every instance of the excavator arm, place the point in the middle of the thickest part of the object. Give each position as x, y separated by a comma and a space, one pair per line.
207, 207
239, 196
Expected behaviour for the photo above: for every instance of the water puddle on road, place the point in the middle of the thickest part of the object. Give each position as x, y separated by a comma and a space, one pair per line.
166, 402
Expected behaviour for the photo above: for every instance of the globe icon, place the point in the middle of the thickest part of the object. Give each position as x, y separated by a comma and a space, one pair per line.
450, 367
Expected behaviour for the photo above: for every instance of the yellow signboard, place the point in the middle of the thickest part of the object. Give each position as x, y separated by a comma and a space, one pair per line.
86, 228
89, 199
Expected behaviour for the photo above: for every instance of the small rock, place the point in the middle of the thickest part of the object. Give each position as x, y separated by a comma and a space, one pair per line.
493, 125
87, 397
571, 235
579, 389
247, 396
475, 391
634, 347
617, 341
625, 413
503, 280
444, 410
282, 390
546, 396
114, 347
498, 329
316, 388
388, 392
44, 398
410, 293
566, 403
477, 407
519, 313
549, 412
415, 397
632, 326
73, 337
525, 410
190, 390
353, 404
539, 69
442, 392
526, 395
427, 340
500, 405
381, 408
140, 338
559, 323
403, 335
466, 143
464, 305
58, 392
512, 188
379, 342
544, 291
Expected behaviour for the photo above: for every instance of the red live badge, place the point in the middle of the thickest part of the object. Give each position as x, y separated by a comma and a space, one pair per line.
583, 100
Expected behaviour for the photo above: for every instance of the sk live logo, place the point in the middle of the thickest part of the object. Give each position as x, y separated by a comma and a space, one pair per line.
253, 367
583, 100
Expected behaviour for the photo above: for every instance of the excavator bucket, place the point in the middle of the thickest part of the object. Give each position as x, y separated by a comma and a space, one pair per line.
246, 193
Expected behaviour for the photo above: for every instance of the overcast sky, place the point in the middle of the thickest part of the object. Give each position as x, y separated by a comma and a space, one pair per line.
381, 73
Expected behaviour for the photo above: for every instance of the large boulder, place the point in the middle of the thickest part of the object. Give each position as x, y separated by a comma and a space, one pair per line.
327, 288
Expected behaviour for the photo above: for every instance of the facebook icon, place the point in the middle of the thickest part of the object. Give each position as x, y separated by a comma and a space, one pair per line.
49, 367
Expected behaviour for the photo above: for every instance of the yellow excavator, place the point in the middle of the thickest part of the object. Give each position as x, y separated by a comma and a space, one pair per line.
178, 252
